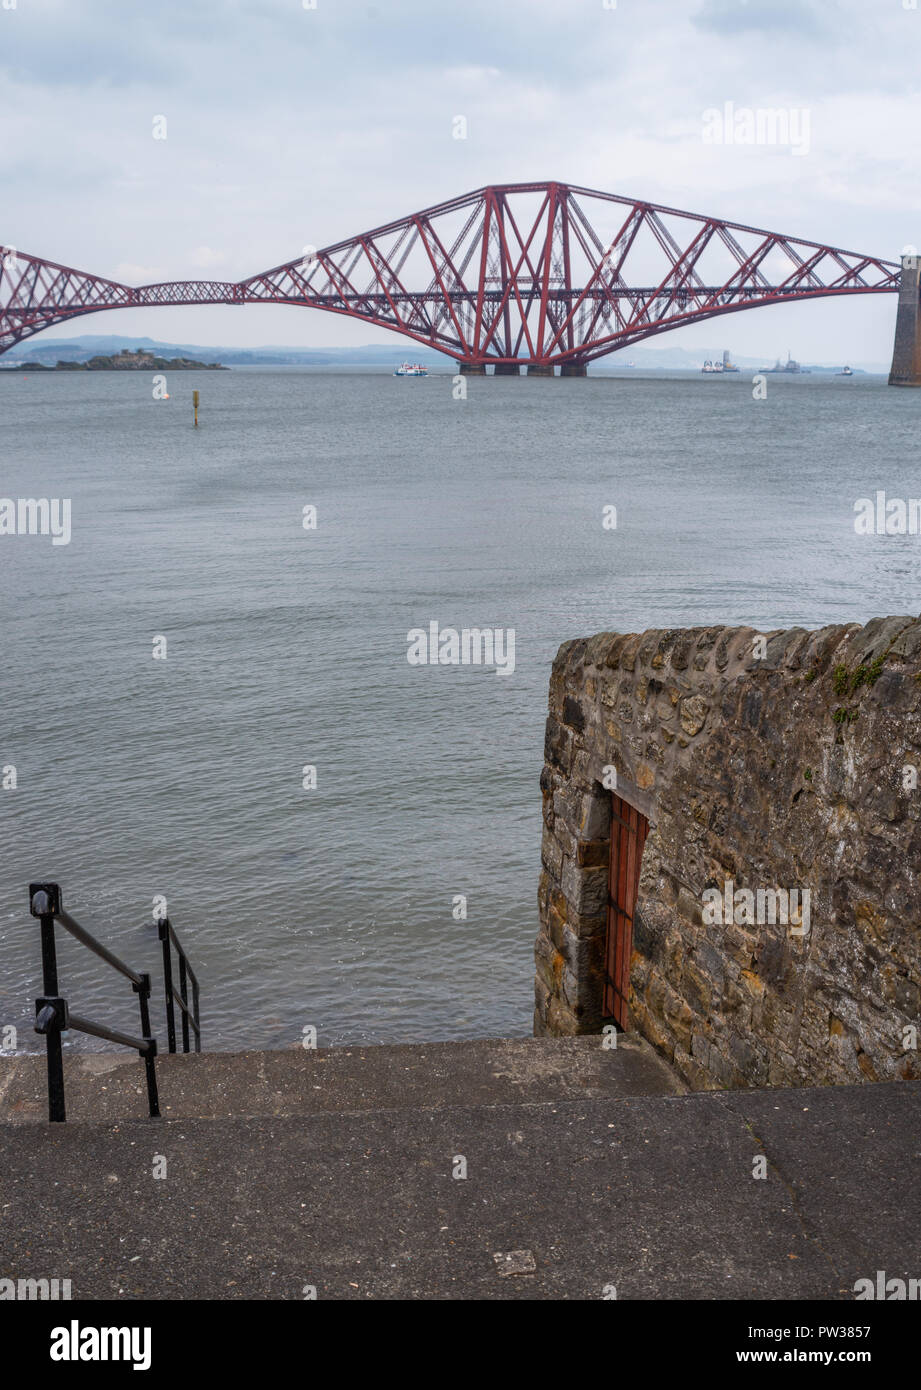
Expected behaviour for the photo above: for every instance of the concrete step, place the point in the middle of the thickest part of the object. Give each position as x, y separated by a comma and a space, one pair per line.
654, 1196
109, 1086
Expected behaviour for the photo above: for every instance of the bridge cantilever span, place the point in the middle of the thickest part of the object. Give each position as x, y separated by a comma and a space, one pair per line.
537, 274
36, 294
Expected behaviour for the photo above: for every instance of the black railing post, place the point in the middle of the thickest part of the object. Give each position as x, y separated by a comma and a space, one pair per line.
150, 1065
143, 993
163, 928
197, 1017
184, 992
51, 1012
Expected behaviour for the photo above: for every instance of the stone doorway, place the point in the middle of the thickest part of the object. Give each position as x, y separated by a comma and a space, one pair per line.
628, 836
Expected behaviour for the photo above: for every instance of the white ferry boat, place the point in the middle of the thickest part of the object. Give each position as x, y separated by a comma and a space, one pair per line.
411, 369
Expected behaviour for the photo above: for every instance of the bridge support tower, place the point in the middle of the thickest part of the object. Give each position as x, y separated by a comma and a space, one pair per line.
507, 369
540, 369
573, 369
906, 354
472, 368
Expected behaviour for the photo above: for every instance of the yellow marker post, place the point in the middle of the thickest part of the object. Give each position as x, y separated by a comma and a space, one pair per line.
195, 404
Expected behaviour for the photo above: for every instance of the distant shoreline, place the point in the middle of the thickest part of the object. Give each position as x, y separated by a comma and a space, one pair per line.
124, 361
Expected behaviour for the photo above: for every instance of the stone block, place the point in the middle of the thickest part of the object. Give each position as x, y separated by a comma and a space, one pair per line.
586, 890
693, 714
551, 855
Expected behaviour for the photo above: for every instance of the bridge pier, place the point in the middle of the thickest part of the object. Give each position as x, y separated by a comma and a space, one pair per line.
573, 369
507, 369
906, 353
540, 369
472, 368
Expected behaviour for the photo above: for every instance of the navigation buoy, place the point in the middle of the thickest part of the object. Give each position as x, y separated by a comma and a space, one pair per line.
195, 404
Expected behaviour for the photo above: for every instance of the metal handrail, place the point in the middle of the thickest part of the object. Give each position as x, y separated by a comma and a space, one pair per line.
52, 1015
76, 930
191, 1016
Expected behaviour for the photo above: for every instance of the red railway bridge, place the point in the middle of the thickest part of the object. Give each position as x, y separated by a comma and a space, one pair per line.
535, 275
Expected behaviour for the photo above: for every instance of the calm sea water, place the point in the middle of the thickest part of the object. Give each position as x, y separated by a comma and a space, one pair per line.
182, 777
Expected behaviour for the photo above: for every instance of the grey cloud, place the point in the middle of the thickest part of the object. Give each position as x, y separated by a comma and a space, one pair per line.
797, 18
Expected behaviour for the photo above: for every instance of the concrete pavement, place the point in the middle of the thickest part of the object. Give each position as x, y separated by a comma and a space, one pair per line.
577, 1182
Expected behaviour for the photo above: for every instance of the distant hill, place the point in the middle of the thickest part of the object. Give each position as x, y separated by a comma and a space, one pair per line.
80, 349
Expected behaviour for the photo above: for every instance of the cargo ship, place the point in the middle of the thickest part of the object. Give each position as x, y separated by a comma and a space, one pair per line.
727, 365
791, 367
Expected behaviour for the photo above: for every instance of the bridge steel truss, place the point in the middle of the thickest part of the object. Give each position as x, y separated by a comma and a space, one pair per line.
536, 274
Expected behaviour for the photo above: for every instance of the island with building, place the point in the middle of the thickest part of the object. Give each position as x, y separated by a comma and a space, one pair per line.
141, 360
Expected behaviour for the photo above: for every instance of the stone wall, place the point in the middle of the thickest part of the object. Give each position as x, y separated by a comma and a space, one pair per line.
778, 760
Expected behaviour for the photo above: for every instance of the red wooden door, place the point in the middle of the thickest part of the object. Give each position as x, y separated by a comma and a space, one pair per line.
628, 836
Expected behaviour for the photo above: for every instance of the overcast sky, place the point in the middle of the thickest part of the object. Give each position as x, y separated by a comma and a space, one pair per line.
288, 126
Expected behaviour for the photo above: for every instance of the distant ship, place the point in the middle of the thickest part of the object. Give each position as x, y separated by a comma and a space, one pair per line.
411, 369
727, 365
791, 366
847, 372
